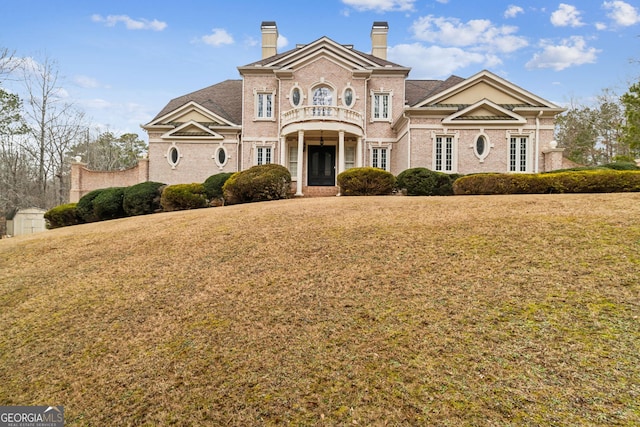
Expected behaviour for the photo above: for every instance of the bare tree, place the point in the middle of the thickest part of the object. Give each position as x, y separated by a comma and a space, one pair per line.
54, 124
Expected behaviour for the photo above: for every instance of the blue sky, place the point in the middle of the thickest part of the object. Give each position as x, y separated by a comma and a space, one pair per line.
122, 61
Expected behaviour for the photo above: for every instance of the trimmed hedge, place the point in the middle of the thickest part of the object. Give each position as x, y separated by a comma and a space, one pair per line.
142, 198
183, 196
366, 181
85, 206
213, 185
425, 182
108, 204
257, 184
63, 216
588, 181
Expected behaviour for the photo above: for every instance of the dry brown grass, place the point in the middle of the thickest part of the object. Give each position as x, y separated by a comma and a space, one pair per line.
338, 311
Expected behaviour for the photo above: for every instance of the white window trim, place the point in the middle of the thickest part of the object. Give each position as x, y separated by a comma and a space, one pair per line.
377, 146
294, 174
226, 156
258, 145
168, 155
343, 96
454, 151
382, 92
302, 96
355, 156
487, 148
527, 159
256, 96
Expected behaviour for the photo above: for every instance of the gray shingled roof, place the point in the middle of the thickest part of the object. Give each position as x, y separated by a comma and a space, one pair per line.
223, 99
419, 90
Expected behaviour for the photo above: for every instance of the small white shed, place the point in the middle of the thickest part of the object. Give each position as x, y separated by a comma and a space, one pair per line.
25, 221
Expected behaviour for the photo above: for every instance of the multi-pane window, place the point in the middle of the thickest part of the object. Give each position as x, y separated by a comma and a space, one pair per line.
263, 155
322, 96
379, 158
381, 106
518, 154
293, 161
265, 105
443, 159
349, 157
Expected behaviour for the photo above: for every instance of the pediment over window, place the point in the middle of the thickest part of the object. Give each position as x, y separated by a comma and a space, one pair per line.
484, 111
192, 130
191, 119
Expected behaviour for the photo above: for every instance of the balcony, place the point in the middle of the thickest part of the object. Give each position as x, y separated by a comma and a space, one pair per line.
326, 113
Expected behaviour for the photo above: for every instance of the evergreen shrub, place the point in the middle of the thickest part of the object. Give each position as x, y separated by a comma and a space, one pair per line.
585, 181
85, 206
366, 181
183, 196
63, 216
257, 184
108, 204
213, 185
425, 182
142, 198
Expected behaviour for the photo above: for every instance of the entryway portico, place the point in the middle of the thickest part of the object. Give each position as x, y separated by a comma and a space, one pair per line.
318, 143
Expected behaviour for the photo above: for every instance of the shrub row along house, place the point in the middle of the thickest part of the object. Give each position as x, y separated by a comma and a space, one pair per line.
324, 107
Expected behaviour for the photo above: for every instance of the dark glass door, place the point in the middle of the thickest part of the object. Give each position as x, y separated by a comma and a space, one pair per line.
322, 165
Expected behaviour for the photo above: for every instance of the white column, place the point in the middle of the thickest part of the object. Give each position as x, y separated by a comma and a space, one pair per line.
300, 160
359, 161
341, 165
283, 151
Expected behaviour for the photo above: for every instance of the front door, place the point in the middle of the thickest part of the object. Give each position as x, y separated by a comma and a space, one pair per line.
322, 165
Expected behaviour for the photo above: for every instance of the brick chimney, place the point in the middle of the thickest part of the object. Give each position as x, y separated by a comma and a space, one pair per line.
379, 39
269, 31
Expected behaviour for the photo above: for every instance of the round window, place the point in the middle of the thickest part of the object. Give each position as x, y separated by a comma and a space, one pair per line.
348, 97
481, 145
295, 97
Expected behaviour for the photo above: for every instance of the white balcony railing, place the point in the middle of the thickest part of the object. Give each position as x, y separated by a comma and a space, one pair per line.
322, 113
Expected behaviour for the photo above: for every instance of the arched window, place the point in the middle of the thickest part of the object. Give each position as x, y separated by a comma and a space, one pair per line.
322, 95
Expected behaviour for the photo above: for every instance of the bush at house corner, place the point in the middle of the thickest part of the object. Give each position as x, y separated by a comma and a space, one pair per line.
258, 184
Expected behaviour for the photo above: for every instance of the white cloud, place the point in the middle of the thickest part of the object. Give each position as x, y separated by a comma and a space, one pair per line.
282, 42
218, 37
513, 11
381, 5
86, 82
600, 26
622, 13
481, 34
572, 51
566, 16
130, 24
434, 61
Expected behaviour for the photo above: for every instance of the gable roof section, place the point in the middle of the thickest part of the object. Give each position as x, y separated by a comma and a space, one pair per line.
222, 101
484, 110
323, 46
511, 94
193, 130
